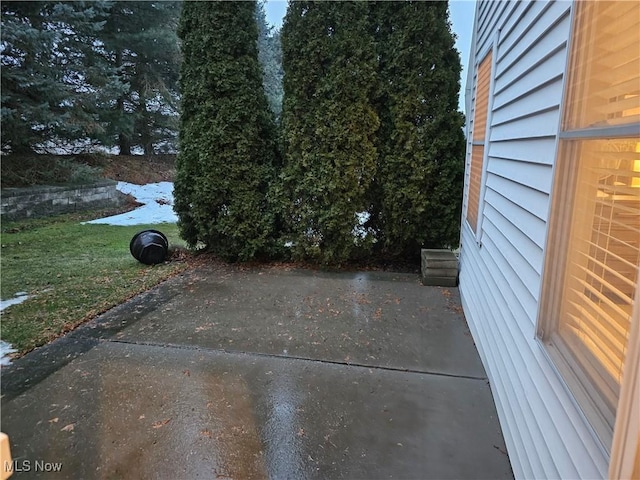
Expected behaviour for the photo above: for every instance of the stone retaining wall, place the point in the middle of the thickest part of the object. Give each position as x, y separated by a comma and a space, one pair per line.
44, 201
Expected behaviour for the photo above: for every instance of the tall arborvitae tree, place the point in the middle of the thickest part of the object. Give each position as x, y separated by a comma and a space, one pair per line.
270, 57
55, 87
139, 39
418, 187
328, 126
227, 147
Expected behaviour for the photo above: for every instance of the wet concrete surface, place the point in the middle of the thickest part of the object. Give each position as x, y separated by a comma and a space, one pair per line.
261, 373
370, 318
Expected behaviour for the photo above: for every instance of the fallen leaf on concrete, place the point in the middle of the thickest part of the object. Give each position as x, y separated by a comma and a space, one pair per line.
68, 428
500, 449
161, 423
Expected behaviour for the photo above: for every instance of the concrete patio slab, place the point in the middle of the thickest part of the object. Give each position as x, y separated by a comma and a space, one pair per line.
215, 374
366, 318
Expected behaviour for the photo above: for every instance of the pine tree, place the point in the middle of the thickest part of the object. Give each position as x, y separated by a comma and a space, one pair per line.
54, 86
328, 126
417, 193
139, 40
270, 57
227, 147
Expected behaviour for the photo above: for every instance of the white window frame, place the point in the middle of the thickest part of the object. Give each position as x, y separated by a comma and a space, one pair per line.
626, 434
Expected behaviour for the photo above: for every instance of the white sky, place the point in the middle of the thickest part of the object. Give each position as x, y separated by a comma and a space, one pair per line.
461, 13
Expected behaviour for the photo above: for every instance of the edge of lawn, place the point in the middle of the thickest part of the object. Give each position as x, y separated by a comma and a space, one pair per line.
73, 273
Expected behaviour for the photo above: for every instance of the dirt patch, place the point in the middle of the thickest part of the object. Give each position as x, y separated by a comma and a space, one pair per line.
139, 169
35, 169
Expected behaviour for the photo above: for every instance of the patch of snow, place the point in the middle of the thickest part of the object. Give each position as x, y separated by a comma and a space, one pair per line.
158, 205
5, 350
19, 298
359, 231
363, 217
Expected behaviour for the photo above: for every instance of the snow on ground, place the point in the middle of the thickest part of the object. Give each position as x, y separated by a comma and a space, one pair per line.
5, 348
19, 298
157, 208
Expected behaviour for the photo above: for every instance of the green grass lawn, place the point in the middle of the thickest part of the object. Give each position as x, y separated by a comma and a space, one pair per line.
72, 273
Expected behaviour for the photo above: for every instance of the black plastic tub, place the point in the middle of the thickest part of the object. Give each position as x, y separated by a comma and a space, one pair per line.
149, 247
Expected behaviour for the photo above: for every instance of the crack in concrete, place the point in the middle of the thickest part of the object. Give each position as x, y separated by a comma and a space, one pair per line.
292, 357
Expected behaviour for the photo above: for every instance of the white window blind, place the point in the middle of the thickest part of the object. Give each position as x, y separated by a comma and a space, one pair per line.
605, 87
601, 265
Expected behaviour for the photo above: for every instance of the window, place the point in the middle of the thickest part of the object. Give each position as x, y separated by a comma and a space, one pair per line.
594, 238
477, 149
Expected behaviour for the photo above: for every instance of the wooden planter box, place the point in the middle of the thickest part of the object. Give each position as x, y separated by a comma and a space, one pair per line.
439, 268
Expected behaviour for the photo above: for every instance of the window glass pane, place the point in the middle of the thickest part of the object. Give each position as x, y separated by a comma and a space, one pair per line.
601, 263
475, 177
604, 88
482, 99
481, 109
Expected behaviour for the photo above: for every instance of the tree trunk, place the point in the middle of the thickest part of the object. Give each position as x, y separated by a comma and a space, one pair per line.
145, 127
124, 143
145, 136
124, 140
148, 148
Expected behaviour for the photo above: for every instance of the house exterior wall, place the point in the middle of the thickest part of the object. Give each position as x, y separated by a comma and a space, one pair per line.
501, 265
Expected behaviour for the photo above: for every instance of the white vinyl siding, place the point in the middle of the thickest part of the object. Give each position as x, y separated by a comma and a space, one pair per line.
490, 13
500, 281
533, 176
532, 150
508, 109
543, 429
